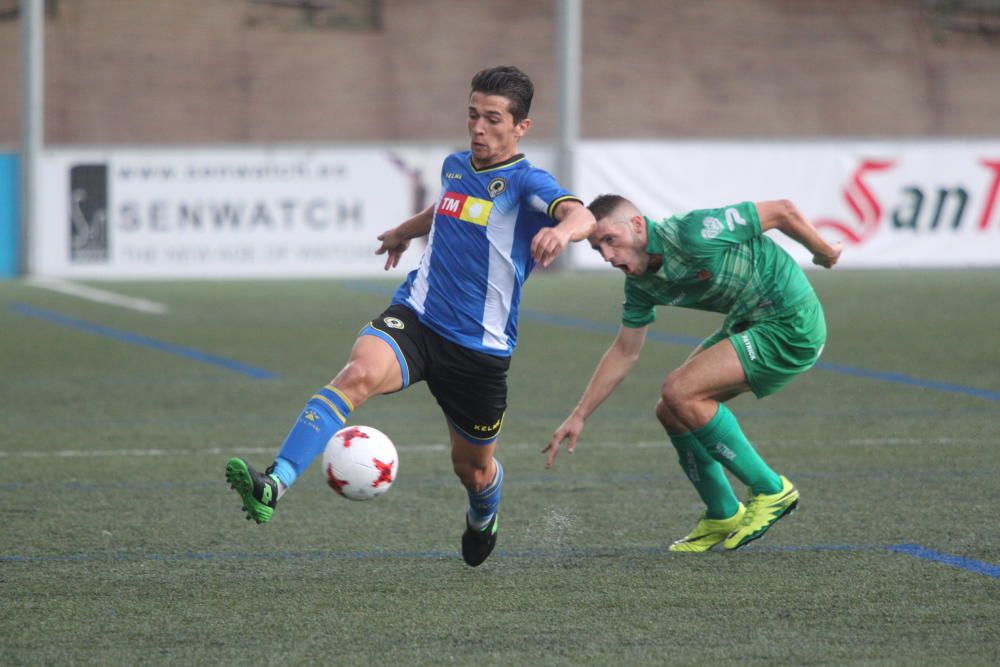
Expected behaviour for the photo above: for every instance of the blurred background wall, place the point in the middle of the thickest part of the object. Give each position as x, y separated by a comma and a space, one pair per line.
238, 71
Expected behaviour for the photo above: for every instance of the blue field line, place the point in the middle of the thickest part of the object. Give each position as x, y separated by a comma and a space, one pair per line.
961, 562
915, 550
433, 554
143, 341
601, 327
896, 378
526, 480
899, 378
585, 324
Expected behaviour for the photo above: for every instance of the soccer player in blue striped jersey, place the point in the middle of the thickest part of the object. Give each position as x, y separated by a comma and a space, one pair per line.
453, 321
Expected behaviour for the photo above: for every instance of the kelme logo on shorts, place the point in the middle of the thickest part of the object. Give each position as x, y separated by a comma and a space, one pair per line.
748, 345
394, 323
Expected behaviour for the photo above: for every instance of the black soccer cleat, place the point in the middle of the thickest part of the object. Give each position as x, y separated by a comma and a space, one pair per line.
477, 545
258, 492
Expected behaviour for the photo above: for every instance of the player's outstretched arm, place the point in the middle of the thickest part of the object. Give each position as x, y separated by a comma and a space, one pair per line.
396, 240
616, 363
575, 223
785, 216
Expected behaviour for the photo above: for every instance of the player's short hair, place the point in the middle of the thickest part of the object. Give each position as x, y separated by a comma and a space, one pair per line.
506, 81
604, 205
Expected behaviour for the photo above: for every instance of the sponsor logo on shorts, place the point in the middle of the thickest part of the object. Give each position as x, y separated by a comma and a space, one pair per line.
748, 346
486, 429
394, 323
463, 207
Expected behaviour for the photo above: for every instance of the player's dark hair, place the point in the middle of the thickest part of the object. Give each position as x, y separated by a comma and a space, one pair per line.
510, 82
605, 205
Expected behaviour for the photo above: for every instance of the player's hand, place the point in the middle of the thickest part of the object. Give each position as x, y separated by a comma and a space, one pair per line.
547, 245
828, 260
569, 430
393, 247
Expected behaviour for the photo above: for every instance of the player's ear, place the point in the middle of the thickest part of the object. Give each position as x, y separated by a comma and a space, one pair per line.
520, 129
638, 225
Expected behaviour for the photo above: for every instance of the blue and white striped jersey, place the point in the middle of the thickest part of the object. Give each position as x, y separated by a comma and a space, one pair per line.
478, 255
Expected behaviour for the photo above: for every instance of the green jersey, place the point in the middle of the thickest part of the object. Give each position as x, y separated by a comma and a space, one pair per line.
716, 260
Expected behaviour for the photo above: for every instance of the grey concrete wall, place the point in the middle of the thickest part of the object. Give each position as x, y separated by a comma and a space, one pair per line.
192, 71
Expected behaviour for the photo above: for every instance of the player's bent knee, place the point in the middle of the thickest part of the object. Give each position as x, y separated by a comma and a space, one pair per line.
372, 370
667, 418
672, 395
359, 381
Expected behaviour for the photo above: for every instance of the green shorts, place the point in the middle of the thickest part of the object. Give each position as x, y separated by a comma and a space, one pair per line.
775, 350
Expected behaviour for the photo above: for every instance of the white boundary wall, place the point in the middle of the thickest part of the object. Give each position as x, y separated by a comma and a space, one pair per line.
893, 204
297, 212
229, 212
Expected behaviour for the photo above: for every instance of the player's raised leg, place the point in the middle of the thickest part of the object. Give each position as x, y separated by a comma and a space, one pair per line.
373, 368
482, 476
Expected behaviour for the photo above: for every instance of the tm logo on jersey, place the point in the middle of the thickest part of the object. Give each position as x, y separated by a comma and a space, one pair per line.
464, 207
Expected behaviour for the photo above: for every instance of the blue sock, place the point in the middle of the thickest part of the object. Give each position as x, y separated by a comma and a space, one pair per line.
324, 415
484, 504
284, 471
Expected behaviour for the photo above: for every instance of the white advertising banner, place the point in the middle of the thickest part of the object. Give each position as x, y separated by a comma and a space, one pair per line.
136, 213
892, 204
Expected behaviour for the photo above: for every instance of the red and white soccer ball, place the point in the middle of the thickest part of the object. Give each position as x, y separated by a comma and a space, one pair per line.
360, 462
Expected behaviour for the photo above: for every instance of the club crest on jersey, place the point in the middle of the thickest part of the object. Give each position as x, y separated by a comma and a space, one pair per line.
463, 207
496, 186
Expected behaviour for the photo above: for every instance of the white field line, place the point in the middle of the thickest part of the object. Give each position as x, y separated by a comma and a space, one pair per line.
435, 447
212, 451
98, 295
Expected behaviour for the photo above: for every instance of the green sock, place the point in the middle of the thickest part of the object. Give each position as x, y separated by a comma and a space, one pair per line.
707, 475
723, 438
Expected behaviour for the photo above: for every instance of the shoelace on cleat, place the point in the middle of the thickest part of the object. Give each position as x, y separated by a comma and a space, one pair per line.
751, 510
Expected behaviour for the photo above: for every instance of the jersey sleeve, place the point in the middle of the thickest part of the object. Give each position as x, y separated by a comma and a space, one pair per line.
540, 191
706, 231
638, 310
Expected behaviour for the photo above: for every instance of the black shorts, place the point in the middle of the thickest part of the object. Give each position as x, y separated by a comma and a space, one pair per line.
470, 386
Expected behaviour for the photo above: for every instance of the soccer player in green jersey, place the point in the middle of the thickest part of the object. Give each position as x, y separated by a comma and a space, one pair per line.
717, 260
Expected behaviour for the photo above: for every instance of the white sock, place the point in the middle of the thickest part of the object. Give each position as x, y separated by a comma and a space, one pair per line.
476, 524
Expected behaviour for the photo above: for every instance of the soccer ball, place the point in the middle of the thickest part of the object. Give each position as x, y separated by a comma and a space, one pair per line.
360, 462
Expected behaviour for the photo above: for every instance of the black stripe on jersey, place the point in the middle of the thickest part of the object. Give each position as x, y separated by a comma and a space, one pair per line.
505, 163
551, 212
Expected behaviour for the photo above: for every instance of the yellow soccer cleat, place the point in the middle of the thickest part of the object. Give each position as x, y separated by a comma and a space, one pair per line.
763, 511
708, 533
